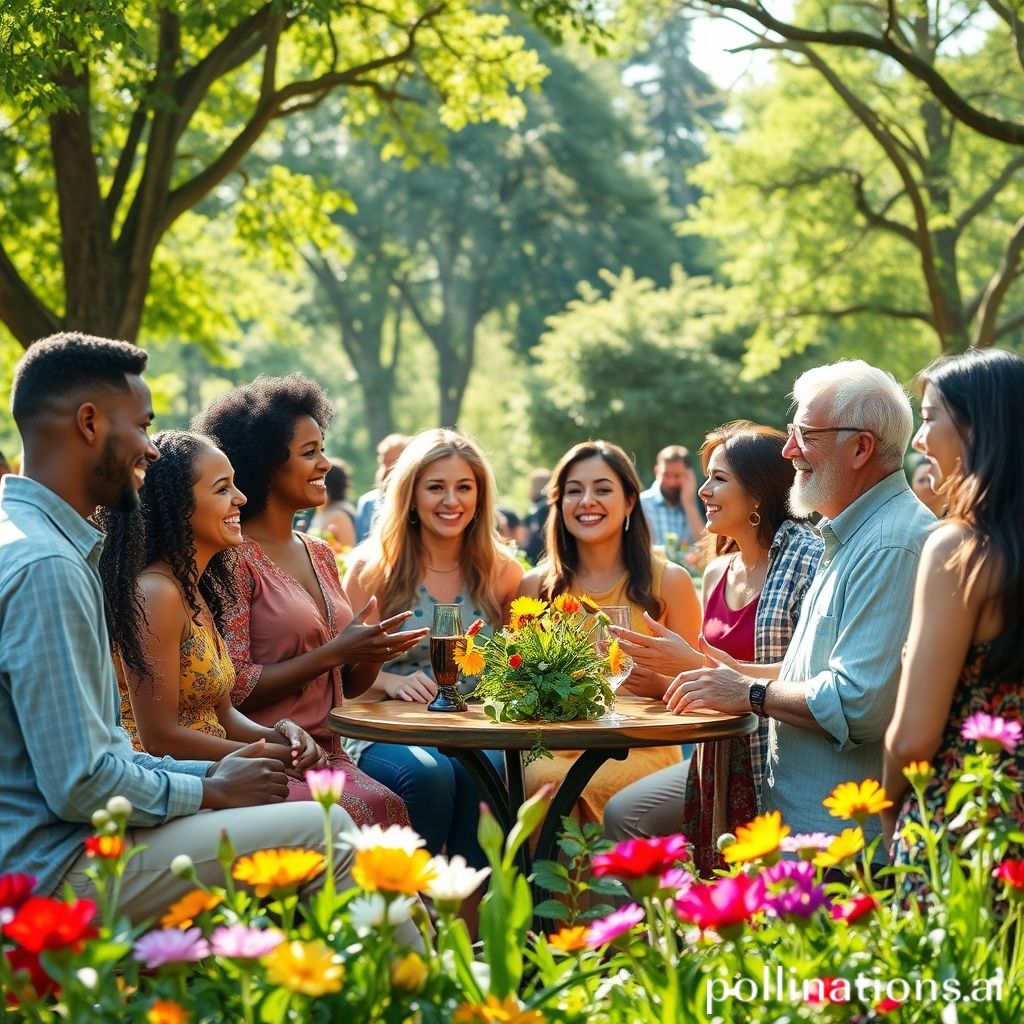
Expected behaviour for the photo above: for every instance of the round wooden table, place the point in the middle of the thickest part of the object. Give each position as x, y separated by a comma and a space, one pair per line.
466, 734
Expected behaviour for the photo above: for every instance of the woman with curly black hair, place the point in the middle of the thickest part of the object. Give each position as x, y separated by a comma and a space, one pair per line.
296, 647
166, 571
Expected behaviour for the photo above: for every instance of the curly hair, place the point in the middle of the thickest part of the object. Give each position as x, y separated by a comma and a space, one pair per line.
395, 566
254, 424
562, 559
70, 363
160, 528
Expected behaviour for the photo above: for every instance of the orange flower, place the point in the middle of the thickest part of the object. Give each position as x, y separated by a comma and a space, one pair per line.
589, 604
569, 939
163, 1011
567, 604
278, 872
393, 870
616, 659
184, 913
104, 847
469, 660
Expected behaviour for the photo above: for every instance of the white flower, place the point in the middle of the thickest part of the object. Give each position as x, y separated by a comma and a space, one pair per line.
118, 807
454, 879
182, 866
372, 837
88, 977
542, 666
370, 911
100, 818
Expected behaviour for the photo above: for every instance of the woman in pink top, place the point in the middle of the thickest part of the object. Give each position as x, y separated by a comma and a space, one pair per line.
296, 647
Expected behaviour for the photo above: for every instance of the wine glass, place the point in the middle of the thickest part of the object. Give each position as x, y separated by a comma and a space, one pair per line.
618, 615
445, 634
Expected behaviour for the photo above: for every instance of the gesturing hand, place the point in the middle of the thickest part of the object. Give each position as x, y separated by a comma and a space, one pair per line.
380, 643
245, 778
666, 653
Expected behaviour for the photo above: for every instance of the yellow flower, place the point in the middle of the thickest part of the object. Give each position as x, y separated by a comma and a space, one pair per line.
163, 1011
857, 801
409, 972
311, 968
391, 870
758, 839
469, 660
919, 773
184, 913
567, 604
589, 604
846, 845
524, 609
506, 1010
278, 872
569, 939
616, 659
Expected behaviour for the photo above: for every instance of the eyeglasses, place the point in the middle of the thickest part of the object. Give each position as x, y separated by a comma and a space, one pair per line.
802, 433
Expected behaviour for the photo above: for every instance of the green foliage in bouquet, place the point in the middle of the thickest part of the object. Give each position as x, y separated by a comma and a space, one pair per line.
543, 666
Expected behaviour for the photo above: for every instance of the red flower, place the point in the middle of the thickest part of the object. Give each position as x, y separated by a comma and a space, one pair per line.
104, 847
478, 624
852, 910
887, 1005
724, 904
45, 923
15, 889
1009, 871
38, 979
637, 858
515, 661
827, 990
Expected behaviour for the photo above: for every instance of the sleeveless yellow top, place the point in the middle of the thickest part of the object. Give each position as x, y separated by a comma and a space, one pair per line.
205, 674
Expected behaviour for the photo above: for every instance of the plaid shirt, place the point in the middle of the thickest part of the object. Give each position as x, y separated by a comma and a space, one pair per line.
664, 518
792, 560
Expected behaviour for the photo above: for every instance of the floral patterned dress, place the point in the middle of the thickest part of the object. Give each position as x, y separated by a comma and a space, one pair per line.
975, 691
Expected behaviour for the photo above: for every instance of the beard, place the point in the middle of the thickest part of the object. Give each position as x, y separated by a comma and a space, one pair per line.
671, 494
118, 480
807, 497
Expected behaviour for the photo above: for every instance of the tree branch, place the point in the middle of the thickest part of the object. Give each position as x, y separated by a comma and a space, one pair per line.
1010, 325
995, 292
983, 201
865, 307
20, 309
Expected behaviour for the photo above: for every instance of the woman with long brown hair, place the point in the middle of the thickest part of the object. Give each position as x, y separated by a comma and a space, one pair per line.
599, 544
435, 543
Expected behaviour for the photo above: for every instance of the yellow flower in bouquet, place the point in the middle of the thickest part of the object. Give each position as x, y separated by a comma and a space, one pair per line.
526, 609
278, 872
393, 870
471, 662
312, 968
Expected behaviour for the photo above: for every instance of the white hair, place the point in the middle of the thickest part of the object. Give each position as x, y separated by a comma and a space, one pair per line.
860, 395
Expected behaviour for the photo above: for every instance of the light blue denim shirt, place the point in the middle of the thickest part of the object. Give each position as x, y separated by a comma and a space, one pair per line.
664, 518
63, 752
846, 653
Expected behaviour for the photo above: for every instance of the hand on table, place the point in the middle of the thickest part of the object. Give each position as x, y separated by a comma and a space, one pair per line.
417, 687
715, 688
665, 653
645, 682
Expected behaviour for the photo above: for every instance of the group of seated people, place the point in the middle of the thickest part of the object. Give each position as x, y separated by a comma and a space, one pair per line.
156, 582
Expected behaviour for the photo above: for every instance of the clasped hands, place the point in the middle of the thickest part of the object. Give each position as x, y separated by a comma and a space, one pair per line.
689, 680
306, 753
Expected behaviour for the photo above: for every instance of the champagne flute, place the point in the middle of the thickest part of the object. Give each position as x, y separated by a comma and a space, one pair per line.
618, 615
445, 634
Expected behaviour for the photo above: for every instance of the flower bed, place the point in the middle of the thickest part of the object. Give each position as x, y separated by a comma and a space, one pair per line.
769, 941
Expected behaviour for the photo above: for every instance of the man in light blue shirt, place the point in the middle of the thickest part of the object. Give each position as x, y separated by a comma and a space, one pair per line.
84, 412
670, 503
832, 696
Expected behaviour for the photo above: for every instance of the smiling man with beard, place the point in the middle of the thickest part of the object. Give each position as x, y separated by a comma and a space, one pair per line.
831, 698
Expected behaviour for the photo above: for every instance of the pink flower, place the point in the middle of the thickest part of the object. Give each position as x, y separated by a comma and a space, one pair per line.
242, 943
608, 929
724, 904
678, 880
325, 785
638, 858
171, 946
853, 910
992, 732
806, 844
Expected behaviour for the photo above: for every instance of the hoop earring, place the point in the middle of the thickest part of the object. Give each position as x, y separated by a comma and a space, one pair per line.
413, 517
628, 514
754, 518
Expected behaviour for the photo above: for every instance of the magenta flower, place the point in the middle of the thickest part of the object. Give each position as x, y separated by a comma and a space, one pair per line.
608, 929
171, 946
792, 891
991, 732
724, 904
325, 785
637, 858
242, 943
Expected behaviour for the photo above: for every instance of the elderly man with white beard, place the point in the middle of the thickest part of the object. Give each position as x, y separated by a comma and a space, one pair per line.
831, 698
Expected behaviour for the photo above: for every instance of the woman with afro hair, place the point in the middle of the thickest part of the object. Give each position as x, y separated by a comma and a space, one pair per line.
296, 646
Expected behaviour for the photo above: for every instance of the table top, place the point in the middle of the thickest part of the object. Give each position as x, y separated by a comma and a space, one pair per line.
648, 724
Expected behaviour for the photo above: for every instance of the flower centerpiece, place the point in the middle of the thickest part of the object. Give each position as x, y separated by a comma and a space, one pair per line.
544, 665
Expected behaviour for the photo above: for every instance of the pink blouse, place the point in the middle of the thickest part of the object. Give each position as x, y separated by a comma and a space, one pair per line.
275, 620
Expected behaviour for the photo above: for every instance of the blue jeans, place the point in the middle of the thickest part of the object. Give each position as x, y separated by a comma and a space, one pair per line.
443, 801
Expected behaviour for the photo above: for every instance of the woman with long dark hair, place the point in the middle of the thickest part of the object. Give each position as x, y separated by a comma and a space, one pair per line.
297, 648
599, 544
964, 653
435, 542
762, 562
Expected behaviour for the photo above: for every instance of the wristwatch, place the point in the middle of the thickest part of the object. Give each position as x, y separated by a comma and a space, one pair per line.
756, 695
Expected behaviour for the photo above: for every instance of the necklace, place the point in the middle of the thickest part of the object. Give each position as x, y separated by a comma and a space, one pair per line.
434, 568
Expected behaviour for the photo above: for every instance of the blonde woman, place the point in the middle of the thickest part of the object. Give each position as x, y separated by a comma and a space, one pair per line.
435, 543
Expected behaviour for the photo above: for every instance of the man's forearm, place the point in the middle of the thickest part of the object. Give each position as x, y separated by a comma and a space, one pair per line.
787, 702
